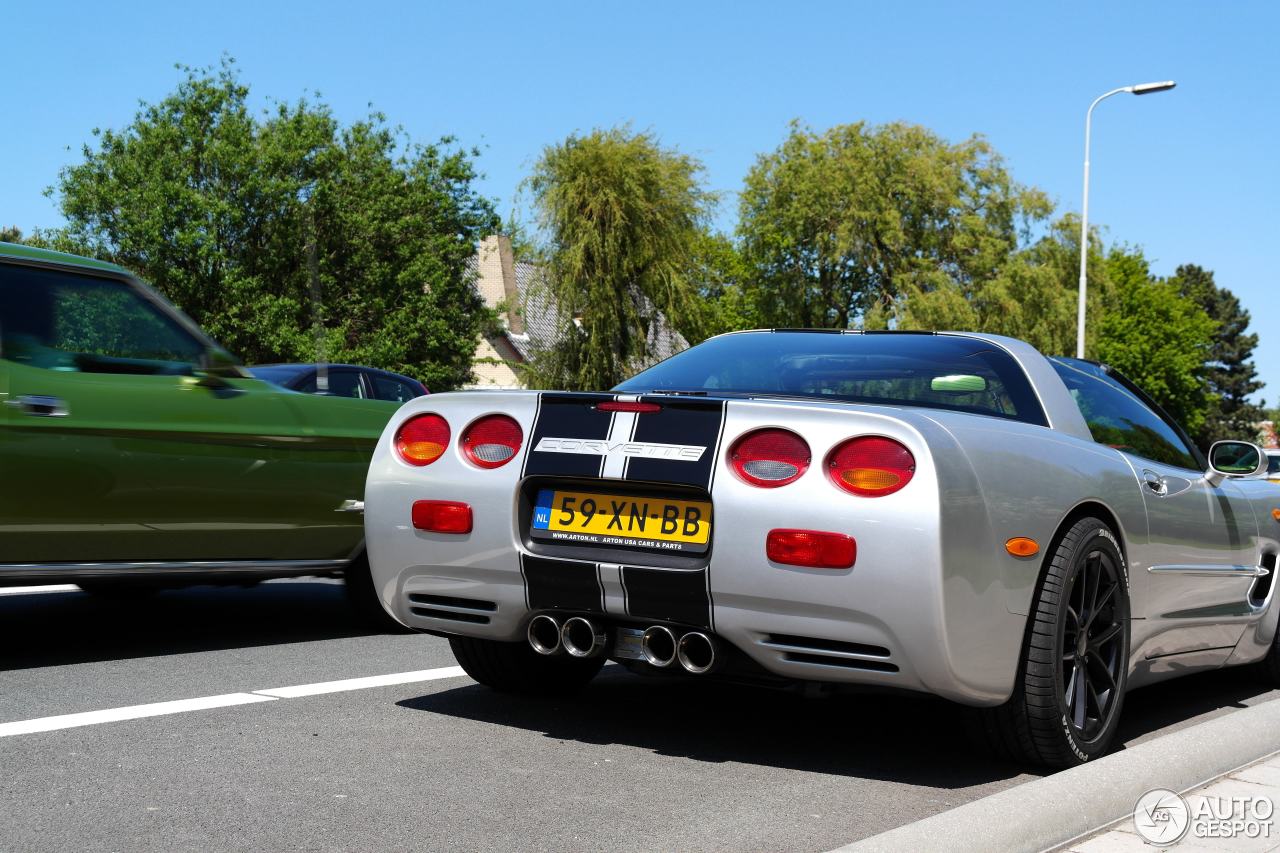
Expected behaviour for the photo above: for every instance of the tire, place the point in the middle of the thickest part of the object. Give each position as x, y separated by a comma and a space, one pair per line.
357, 578
517, 668
1067, 700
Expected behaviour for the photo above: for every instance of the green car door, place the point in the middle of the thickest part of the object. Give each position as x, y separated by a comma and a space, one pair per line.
127, 436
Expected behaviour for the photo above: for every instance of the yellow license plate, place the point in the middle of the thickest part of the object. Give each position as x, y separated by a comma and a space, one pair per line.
621, 520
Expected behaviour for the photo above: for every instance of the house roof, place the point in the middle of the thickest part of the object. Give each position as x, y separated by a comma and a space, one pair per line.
533, 309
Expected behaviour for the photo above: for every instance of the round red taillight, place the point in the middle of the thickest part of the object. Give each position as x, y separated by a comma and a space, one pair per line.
422, 439
769, 457
871, 466
492, 441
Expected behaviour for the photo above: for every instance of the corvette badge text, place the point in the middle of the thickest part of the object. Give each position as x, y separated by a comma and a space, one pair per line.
601, 447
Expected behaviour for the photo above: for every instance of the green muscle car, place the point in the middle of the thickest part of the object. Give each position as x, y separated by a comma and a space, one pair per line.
135, 452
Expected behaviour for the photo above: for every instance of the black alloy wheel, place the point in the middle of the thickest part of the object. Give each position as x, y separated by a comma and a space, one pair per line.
1066, 701
1090, 643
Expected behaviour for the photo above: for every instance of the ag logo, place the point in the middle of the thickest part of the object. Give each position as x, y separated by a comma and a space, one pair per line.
1161, 817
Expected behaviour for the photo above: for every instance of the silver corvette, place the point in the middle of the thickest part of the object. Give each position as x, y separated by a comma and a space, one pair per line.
947, 513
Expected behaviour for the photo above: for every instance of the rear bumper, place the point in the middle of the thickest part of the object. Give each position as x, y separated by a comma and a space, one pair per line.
882, 623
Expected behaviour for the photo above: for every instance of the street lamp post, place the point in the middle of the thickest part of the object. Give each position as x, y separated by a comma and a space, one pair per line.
1140, 89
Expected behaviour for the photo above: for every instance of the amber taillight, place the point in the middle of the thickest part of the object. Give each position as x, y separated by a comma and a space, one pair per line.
871, 466
422, 439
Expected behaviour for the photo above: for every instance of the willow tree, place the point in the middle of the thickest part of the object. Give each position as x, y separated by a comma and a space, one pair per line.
620, 220
837, 227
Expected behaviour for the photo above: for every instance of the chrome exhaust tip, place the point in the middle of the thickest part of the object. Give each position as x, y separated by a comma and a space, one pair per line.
658, 645
544, 635
696, 652
582, 638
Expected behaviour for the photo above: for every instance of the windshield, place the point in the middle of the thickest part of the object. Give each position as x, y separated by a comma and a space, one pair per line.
936, 371
1273, 466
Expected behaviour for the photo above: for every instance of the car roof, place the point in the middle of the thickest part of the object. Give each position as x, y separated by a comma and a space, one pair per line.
311, 365
32, 253
299, 367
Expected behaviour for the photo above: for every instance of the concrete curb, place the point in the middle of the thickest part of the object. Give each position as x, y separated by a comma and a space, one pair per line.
1047, 813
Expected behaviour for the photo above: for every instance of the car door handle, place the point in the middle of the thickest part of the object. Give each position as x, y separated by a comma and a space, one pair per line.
40, 406
1155, 482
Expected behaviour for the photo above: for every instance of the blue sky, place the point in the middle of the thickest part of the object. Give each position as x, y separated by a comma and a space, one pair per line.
1190, 175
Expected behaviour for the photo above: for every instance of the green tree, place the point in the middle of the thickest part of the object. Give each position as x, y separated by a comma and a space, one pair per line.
621, 219
1231, 376
839, 227
1156, 337
289, 236
1032, 296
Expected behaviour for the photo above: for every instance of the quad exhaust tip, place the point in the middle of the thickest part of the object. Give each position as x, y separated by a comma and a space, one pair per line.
544, 635
658, 645
696, 652
582, 638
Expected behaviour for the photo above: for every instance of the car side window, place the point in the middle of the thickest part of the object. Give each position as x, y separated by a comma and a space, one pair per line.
342, 383
64, 321
390, 388
1118, 419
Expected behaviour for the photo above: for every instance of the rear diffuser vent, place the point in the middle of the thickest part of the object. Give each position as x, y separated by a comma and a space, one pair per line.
452, 608
813, 650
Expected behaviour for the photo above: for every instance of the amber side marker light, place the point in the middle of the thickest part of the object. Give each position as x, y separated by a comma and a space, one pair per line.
1021, 546
1275, 513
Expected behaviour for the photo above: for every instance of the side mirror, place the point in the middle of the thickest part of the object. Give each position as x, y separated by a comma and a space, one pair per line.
216, 367
219, 362
1234, 459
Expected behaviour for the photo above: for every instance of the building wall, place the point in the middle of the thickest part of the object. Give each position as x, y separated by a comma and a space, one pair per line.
489, 272
491, 370
492, 355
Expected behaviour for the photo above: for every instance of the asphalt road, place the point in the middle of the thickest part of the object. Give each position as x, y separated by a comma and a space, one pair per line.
628, 764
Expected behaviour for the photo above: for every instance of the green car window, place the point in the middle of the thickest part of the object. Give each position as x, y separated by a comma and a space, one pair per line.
64, 321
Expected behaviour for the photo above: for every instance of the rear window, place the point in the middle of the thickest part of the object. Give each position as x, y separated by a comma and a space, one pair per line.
935, 371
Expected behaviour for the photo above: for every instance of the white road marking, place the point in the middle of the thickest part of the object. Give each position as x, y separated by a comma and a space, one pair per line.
361, 683
130, 712
28, 590
181, 706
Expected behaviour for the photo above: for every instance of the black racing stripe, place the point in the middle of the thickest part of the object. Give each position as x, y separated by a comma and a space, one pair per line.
686, 422
567, 416
562, 584
668, 595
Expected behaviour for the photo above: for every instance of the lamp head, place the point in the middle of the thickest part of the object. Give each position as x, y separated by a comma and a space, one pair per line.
1151, 88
